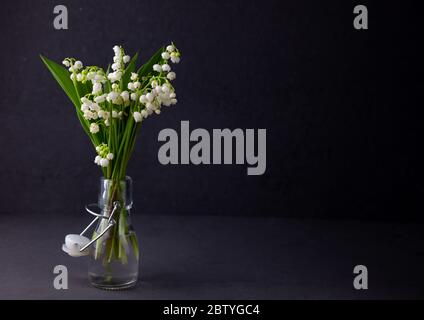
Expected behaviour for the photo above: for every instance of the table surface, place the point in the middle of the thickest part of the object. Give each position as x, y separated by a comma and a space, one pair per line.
213, 257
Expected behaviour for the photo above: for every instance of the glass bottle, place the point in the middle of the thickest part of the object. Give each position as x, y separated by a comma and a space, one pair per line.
114, 257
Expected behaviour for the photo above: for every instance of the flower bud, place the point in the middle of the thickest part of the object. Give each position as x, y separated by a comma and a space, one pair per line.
77, 65
97, 88
143, 98
137, 116
125, 95
166, 67
150, 97
94, 128
165, 55
104, 162
171, 75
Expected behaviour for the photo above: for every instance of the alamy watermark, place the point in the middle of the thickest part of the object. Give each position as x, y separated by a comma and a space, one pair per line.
60, 282
61, 20
177, 149
361, 19
360, 282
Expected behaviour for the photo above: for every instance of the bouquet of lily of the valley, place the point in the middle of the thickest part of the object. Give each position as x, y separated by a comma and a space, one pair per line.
111, 105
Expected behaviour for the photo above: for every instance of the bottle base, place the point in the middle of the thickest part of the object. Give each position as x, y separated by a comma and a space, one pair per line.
112, 284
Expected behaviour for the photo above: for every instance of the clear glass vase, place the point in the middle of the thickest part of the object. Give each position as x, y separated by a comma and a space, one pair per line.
114, 257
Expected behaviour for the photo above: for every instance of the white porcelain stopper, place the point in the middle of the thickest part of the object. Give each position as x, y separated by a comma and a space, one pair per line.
74, 243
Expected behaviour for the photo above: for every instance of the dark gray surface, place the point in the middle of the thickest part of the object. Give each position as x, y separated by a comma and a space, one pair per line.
210, 257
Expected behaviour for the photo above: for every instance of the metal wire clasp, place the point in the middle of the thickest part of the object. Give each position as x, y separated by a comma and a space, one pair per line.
111, 222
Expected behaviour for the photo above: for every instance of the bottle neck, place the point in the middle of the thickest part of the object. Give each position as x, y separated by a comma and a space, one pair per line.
112, 191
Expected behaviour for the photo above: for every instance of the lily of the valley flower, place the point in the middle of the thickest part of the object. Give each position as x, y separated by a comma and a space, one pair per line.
111, 100
94, 128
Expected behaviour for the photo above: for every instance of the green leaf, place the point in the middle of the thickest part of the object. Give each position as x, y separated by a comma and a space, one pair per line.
147, 67
62, 77
130, 68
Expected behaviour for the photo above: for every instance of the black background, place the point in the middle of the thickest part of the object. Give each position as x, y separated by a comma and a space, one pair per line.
342, 107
